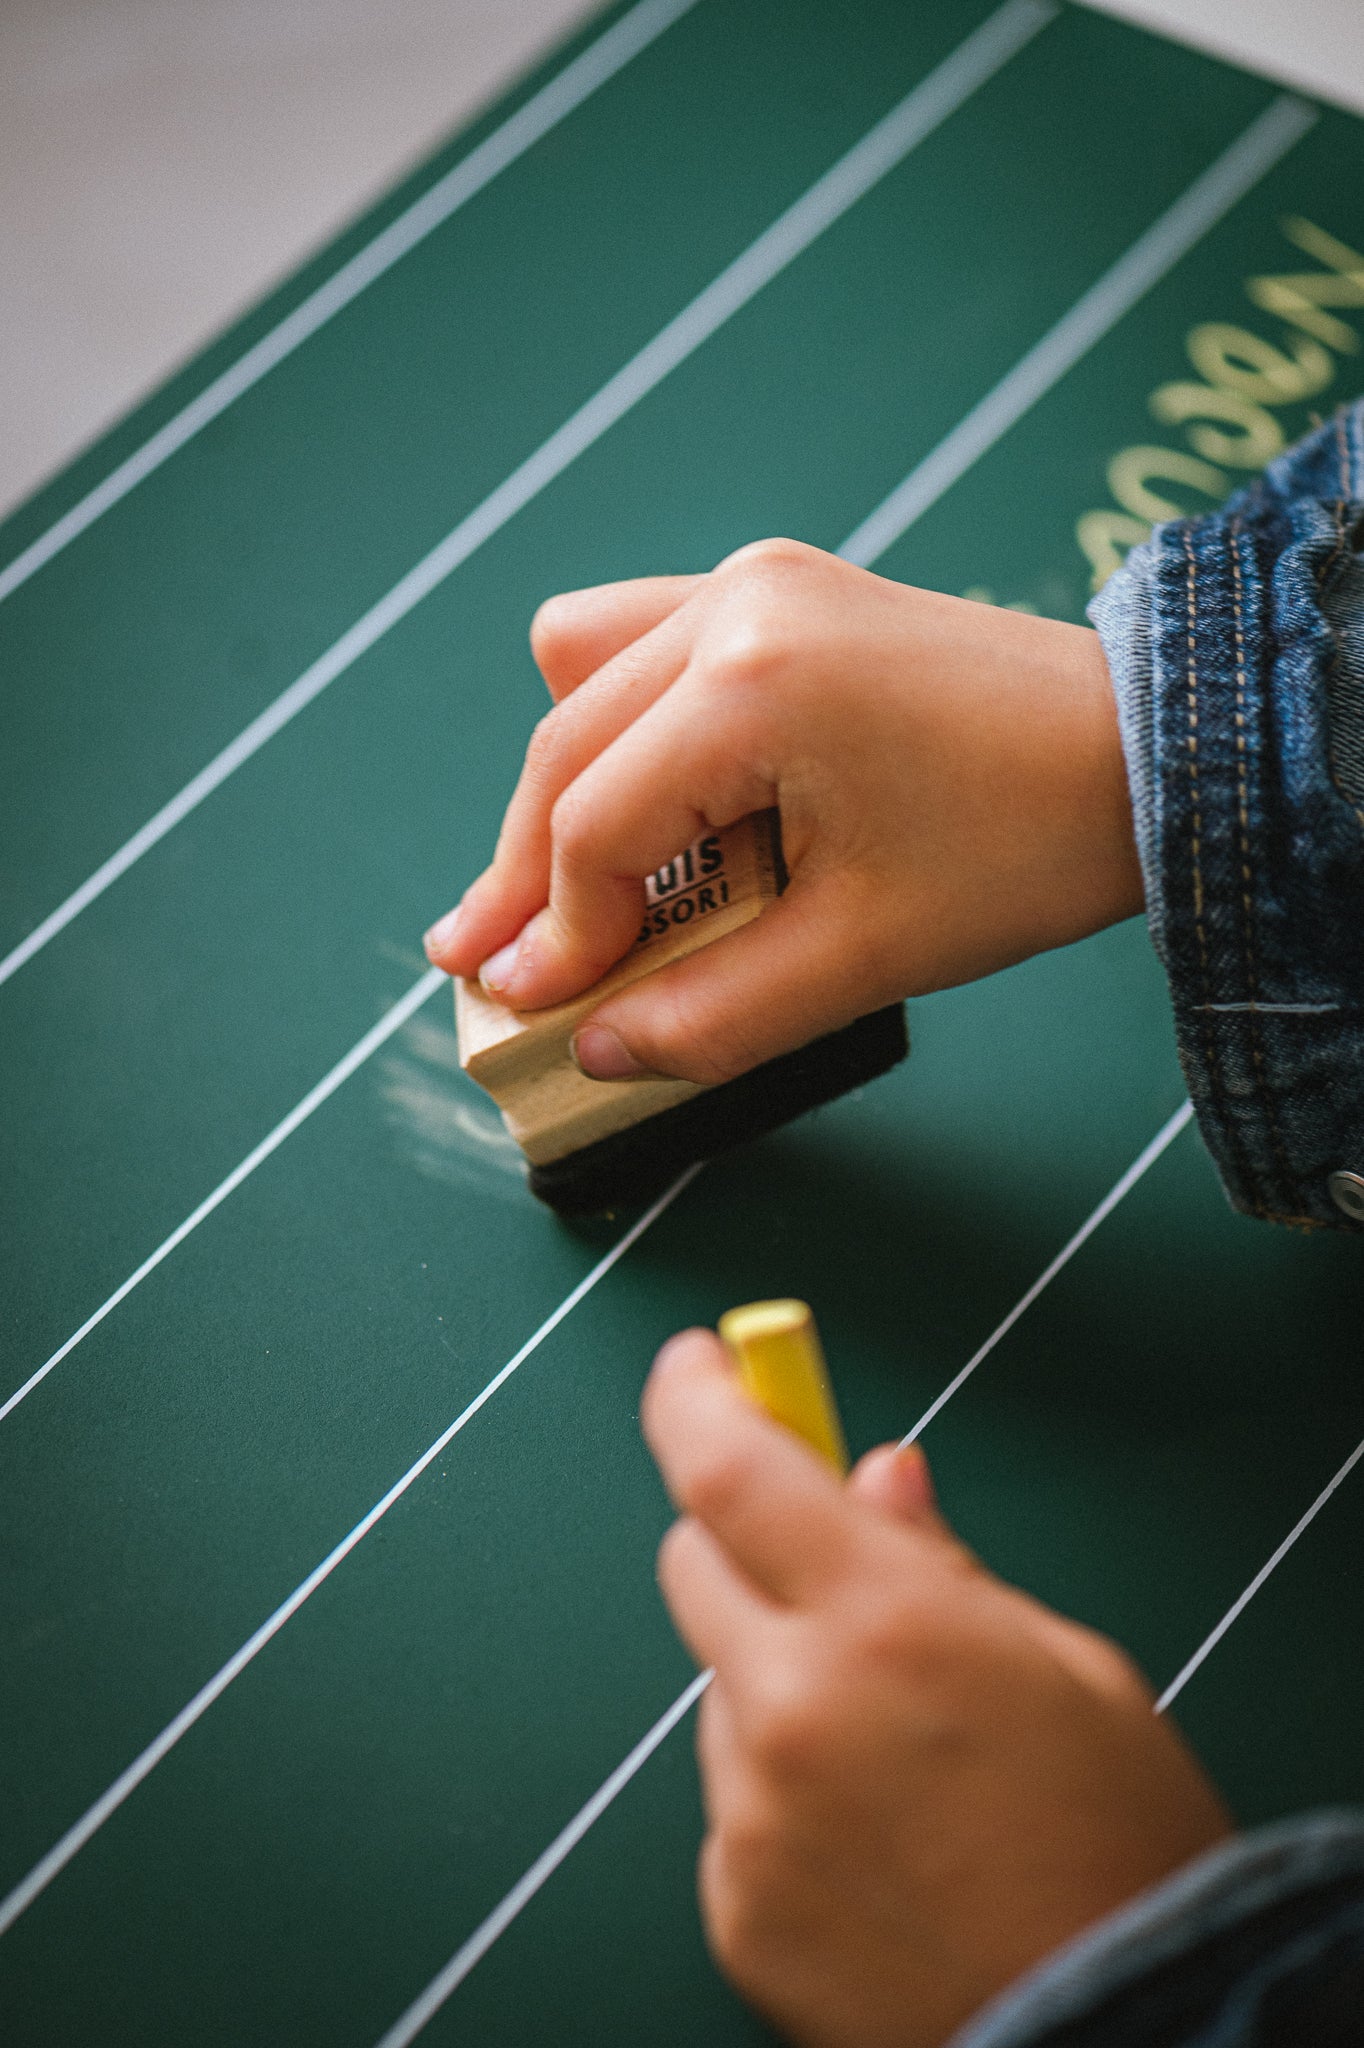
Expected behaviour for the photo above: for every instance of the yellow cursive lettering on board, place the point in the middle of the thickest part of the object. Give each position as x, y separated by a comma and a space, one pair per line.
1228, 416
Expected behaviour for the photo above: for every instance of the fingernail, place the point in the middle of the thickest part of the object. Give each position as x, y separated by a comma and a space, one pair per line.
602, 1056
497, 971
442, 932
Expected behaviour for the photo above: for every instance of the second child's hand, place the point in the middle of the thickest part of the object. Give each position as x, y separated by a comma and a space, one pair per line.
949, 776
918, 1781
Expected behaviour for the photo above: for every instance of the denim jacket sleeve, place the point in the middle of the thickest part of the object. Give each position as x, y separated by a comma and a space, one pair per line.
1236, 646
1258, 1944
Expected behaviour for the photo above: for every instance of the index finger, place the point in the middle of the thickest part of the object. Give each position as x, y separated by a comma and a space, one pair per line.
579, 631
771, 1502
498, 905
670, 775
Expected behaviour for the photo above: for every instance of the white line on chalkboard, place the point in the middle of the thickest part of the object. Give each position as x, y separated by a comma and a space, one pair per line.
1166, 1135
406, 1006
82, 1830
543, 111
409, 2024
884, 146
523, 1891
428, 2003
127, 1782
1238, 1607
1268, 138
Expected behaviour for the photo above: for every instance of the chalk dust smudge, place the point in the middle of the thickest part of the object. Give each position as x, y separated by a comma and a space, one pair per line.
447, 1127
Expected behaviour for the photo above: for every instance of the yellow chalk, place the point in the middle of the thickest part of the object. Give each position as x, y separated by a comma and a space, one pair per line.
781, 1364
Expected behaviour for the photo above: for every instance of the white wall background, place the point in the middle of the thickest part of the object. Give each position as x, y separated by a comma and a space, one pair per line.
163, 161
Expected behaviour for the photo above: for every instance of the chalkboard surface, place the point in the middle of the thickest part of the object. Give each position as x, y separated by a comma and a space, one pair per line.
267, 687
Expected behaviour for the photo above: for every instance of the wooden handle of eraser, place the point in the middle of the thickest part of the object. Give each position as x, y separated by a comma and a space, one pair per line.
524, 1058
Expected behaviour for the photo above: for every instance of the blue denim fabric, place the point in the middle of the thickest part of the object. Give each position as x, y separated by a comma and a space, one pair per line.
1236, 645
1258, 1944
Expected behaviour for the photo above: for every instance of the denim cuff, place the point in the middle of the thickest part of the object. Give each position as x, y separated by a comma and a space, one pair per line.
1123, 613
1260, 1941
1236, 647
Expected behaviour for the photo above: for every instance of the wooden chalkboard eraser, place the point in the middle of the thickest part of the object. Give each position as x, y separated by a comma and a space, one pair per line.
594, 1145
524, 1058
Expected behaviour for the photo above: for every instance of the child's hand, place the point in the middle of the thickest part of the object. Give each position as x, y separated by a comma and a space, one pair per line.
949, 777
918, 1781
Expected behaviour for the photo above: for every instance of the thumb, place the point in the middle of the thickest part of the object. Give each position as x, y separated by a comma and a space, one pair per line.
793, 974
895, 1480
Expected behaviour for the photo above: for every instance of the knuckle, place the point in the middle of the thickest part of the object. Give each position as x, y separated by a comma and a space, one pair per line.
753, 648
905, 1643
750, 648
774, 553
701, 1051
573, 828
754, 633
717, 1485
727, 1052
680, 1054
542, 750
1113, 1674
886, 1639
789, 1736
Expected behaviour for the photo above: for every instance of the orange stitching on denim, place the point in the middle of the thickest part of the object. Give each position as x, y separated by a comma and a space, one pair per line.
1191, 699
1247, 875
1242, 786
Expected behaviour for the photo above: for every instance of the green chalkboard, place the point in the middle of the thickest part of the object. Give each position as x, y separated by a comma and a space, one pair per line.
292, 1855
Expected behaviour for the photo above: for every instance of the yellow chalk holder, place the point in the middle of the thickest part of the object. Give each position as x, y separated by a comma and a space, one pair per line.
781, 1365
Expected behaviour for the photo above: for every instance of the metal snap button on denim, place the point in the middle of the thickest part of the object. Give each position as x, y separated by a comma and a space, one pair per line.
1347, 1192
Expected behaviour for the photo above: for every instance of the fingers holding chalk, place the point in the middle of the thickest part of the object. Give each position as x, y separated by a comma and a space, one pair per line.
776, 1348
779, 1512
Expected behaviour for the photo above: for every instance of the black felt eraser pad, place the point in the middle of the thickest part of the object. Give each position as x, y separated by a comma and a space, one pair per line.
635, 1165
